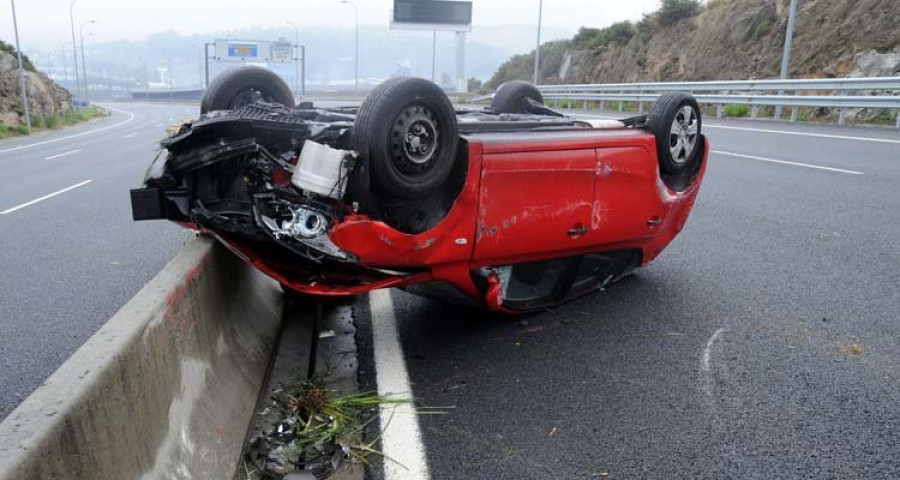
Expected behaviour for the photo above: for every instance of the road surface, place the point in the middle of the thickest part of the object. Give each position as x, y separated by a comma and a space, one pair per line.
761, 344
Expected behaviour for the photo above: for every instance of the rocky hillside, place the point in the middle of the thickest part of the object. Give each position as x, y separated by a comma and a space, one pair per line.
45, 98
723, 40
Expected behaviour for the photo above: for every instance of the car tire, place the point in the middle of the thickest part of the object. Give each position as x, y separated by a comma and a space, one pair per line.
235, 88
406, 130
676, 122
512, 97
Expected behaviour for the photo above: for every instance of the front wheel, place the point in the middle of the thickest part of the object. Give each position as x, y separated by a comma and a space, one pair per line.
406, 128
675, 121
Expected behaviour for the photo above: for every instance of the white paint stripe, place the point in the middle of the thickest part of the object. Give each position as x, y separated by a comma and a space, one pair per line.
401, 440
704, 362
51, 157
69, 137
130, 135
765, 130
45, 197
806, 134
785, 162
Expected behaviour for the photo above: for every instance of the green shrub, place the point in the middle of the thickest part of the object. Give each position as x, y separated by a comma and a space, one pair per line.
711, 4
736, 110
4, 131
38, 122
615, 34
21, 129
26, 62
52, 121
673, 11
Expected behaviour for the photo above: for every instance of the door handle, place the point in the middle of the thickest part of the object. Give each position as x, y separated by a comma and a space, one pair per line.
578, 230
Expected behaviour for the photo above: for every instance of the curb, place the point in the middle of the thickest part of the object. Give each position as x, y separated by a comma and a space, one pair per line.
165, 389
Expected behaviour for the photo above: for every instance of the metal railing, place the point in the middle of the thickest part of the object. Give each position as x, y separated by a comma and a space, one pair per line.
754, 93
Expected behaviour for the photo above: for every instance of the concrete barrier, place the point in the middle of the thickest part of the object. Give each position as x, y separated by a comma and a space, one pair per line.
166, 389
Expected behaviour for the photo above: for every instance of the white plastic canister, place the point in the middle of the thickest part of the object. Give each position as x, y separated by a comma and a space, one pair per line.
320, 170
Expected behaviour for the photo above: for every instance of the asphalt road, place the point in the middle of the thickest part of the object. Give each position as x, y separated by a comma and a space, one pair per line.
70, 261
761, 344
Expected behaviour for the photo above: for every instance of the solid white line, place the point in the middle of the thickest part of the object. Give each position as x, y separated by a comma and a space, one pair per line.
806, 134
68, 137
765, 130
401, 440
130, 135
51, 157
785, 162
45, 197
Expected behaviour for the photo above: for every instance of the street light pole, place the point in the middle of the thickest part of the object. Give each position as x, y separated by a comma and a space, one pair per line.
356, 55
74, 48
786, 56
295, 50
21, 70
537, 50
83, 66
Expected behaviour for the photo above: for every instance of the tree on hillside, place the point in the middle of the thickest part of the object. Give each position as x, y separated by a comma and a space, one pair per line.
26, 62
673, 11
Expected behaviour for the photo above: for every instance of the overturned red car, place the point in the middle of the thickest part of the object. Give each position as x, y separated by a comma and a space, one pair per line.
514, 207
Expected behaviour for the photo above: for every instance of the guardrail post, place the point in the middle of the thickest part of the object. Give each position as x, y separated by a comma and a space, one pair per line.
719, 111
794, 110
602, 105
842, 112
640, 108
754, 112
621, 106
898, 119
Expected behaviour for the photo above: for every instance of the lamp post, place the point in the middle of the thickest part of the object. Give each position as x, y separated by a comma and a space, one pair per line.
296, 46
786, 56
83, 66
356, 55
74, 48
21, 70
537, 50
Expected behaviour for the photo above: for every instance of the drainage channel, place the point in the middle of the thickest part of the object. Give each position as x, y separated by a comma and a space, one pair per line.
316, 348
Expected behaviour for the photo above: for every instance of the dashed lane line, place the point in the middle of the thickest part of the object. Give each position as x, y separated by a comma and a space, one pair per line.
45, 197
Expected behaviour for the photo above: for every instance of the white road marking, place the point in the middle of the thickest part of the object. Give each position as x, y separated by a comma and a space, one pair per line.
704, 361
51, 157
68, 137
806, 134
401, 439
45, 197
765, 130
785, 162
130, 135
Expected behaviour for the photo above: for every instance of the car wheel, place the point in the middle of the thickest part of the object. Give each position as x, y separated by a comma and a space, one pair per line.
675, 120
240, 86
406, 129
512, 97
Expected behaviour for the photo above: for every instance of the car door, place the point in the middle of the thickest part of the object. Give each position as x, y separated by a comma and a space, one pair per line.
533, 203
628, 196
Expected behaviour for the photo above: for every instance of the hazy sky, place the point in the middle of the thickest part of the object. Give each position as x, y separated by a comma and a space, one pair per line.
45, 23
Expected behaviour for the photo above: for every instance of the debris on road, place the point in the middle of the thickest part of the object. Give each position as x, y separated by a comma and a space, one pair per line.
309, 428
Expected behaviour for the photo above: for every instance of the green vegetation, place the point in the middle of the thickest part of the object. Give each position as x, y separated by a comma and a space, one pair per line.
736, 110
674, 11
71, 117
713, 4
671, 12
5, 47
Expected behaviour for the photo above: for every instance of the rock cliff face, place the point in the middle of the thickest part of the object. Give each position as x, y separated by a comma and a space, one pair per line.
45, 98
741, 39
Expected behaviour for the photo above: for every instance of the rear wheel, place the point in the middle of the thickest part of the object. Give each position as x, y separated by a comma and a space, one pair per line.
676, 122
243, 85
513, 97
406, 128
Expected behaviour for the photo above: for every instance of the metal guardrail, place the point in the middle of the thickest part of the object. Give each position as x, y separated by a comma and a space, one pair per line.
745, 92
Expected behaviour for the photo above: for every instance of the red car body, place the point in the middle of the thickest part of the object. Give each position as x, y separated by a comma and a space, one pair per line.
527, 197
